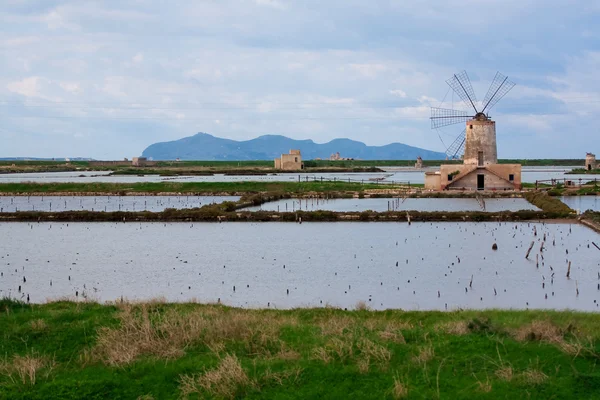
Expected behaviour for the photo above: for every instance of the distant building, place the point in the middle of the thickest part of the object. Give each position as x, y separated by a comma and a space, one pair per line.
590, 161
419, 163
139, 161
290, 162
337, 157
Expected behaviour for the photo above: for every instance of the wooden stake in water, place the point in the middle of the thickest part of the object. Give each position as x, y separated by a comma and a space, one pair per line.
569, 271
529, 250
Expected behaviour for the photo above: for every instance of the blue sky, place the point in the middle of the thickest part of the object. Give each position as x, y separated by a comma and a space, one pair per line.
105, 79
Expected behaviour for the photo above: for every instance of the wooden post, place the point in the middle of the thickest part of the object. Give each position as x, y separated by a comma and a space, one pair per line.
569, 271
529, 250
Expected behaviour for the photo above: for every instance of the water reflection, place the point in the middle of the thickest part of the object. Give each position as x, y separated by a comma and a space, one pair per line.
396, 204
284, 265
106, 203
391, 174
582, 203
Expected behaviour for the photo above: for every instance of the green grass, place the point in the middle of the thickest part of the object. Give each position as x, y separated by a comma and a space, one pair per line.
580, 171
167, 351
548, 203
189, 187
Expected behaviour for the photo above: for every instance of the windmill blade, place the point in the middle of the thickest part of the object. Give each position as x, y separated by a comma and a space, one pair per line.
499, 87
461, 84
446, 116
457, 148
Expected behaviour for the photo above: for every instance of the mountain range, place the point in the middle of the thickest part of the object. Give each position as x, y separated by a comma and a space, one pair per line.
204, 146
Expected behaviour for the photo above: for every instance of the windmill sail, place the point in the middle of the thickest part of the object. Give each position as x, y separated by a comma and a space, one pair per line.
461, 84
456, 150
499, 87
445, 116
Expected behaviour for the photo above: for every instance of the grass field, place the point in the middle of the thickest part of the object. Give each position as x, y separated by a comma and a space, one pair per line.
168, 351
189, 187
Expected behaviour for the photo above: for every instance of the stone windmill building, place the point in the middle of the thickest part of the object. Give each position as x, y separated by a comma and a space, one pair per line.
477, 144
590, 162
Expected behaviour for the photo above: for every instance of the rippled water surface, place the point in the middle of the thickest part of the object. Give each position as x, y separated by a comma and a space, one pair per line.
382, 204
106, 203
582, 203
391, 174
387, 265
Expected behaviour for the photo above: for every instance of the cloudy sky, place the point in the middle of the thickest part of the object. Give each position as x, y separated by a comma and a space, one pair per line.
105, 79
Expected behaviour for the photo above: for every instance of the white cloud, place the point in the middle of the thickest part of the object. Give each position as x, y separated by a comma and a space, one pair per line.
398, 92
369, 70
270, 3
28, 87
245, 68
55, 20
71, 87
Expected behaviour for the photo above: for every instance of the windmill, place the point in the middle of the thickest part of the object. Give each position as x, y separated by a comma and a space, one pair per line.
461, 85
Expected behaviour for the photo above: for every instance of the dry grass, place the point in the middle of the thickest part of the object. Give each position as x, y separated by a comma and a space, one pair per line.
540, 330
363, 364
505, 373
146, 331
336, 325
286, 354
373, 351
484, 387
400, 389
395, 337
534, 377
24, 368
229, 380
321, 354
38, 325
545, 331
340, 349
335, 348
280, 378
362, 306
426, 353
226, 381
454, 328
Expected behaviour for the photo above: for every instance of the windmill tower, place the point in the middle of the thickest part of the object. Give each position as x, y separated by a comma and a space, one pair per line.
477, 143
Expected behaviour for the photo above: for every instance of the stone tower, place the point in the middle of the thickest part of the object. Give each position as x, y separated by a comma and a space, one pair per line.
590, 161
480, 142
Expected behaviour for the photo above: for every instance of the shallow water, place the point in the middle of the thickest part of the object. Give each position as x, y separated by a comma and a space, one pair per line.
103, 176
106, 203
284, 265
396, 204
392, 174
582, 203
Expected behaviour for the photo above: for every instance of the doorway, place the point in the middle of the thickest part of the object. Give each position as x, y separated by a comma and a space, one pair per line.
589, 167
480, 182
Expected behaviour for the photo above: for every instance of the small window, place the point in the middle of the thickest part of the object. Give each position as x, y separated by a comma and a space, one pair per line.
470, 126
295, 159
450, 176
511, 177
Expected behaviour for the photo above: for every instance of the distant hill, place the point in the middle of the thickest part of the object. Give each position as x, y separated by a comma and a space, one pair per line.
203, 146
